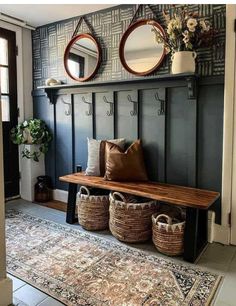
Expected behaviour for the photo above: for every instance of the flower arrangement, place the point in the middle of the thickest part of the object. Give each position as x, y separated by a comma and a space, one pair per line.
185, 31
32, 131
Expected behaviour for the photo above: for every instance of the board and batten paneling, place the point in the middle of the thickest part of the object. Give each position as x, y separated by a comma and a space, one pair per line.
104, 127
63, 141
44, 109
127, 111
152, 131
83, 126
180, 126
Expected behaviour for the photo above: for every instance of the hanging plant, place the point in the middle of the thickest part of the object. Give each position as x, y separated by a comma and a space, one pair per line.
32, 131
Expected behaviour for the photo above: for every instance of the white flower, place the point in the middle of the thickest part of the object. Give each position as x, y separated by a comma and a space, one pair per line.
186, 36
178, 23
204, 25
25, 123
191, 24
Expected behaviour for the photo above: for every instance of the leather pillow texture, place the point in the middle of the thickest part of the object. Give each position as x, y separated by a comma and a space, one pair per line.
125, 165
96, 155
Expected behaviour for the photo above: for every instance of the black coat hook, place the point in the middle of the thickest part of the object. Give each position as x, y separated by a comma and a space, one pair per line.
111, 111
133, 112
161, 111
90, 111
67, 107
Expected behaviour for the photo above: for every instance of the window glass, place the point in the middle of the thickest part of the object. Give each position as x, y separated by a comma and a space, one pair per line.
5, 108
3, 51
4, 80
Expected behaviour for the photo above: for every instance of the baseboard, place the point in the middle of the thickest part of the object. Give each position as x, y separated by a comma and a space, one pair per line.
222, 234
216, 232
211, 221
5, 292
60, 195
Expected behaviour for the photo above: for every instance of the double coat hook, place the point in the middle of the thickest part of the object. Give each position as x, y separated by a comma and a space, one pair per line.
67, 107
90, 111
161, 110
111, 111
133, 112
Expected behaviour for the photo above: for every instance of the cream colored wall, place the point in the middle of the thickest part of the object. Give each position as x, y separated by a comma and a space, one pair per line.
2, 213
233, 94
5, 283
222, 232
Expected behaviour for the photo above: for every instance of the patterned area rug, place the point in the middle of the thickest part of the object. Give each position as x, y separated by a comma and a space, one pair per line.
80, 269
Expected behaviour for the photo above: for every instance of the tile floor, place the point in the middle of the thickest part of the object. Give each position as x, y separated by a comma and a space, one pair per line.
217, 258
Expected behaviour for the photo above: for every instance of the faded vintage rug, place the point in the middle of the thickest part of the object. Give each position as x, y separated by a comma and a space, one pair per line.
80, 269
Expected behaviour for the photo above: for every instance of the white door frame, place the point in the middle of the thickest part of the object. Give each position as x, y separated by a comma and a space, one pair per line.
233, 186
222, 232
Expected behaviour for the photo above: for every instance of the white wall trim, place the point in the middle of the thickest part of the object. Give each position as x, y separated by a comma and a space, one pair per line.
5, 291
233, 200
60, 195
19, 64
24, 75
227, 161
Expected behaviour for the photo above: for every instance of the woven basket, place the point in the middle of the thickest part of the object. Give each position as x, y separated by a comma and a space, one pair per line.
130, 222
168, 237
93, 210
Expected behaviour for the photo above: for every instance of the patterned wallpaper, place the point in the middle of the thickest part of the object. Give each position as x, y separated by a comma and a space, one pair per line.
49, 42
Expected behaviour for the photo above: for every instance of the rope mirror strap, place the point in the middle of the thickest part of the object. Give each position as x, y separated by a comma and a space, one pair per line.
79, 25
137, 12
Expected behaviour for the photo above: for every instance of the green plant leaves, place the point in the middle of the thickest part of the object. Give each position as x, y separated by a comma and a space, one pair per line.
32, 131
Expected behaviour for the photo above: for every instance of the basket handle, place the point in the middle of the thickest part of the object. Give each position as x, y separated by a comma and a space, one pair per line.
119, 195
168, 219
85, 189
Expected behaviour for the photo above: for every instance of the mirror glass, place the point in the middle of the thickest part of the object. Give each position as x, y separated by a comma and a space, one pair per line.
140, 53
82, 57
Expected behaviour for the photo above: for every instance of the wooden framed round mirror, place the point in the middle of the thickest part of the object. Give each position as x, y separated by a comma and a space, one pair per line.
140, 54
82, 57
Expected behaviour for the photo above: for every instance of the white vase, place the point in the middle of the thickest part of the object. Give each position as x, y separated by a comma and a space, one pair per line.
183, 62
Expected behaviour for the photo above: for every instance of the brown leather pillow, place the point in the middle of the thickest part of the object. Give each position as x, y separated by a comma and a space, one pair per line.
125, 166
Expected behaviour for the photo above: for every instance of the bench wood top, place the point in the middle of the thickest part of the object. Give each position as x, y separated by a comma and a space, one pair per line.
173, 194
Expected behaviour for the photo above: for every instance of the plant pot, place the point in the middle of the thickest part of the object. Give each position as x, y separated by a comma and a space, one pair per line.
183, 62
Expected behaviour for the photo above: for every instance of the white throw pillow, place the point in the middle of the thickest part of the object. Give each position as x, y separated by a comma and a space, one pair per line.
93, 164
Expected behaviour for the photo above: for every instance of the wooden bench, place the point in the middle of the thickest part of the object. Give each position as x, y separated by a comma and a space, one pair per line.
196, 201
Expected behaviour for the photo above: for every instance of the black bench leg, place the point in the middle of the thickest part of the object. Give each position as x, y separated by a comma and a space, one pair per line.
71, 204
195, 236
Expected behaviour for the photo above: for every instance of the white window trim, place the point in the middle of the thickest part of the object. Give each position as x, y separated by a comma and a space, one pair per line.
19, 65
20, 77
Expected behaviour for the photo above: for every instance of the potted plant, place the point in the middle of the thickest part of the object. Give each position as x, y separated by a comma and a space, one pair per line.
32, 132
185, 33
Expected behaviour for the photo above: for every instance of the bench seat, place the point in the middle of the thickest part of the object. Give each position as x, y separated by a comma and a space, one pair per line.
196, 201
172, 194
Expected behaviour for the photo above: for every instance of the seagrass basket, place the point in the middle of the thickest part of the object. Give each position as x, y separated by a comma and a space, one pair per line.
130, 222
93, 210
168, 234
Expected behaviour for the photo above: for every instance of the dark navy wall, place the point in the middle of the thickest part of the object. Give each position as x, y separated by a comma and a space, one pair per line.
49, 42
182, 146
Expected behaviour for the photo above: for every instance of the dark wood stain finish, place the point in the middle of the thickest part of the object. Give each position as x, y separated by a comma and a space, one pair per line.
172, 194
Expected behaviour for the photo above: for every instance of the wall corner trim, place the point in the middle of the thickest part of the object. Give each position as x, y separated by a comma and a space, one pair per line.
5, 291
60, 195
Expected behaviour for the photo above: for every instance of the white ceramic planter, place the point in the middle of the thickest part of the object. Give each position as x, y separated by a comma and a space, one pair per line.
183, 62
30, 170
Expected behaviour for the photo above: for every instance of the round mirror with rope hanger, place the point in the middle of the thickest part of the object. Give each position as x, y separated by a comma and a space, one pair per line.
82, 56
140, 54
